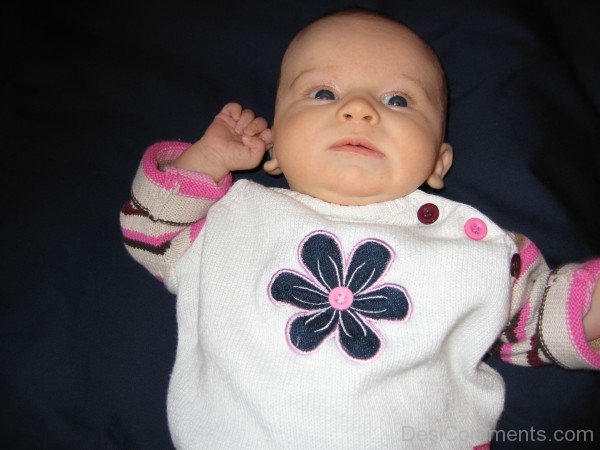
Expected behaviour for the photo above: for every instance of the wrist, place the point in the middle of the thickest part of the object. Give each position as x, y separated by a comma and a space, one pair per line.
591, 320
197, 159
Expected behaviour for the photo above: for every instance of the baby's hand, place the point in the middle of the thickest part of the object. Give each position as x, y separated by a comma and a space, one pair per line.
235, 140
591, 320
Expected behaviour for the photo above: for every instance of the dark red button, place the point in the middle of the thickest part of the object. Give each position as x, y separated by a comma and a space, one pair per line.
428, 213
515, 265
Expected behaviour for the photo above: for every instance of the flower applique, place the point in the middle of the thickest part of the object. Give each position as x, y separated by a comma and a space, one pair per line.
339, 296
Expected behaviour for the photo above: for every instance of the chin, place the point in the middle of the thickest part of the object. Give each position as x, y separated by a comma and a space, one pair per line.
345, 190
354, 197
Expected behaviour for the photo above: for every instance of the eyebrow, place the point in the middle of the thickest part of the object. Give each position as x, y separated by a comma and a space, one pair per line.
413, 80
304, 72
417, 82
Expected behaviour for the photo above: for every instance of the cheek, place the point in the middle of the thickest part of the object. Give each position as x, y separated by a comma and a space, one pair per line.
416, 144
288, 141
294, 128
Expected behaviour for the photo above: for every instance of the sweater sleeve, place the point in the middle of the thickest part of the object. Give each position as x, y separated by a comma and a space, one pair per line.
166, 210
546, 313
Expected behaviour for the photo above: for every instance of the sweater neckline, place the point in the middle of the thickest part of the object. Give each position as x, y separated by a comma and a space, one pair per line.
400, 211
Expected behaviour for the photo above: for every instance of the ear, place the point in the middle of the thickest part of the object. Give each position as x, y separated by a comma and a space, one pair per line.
442, 165
272, 166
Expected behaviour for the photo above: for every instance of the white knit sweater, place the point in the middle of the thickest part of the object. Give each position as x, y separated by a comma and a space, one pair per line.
304, 324
240, 382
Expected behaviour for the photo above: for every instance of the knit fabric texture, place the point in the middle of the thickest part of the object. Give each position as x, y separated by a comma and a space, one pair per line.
307, 323
267, 358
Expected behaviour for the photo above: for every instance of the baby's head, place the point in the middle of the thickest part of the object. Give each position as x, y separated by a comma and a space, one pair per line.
360, 111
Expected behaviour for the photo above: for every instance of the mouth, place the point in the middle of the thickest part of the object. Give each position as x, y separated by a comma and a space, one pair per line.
358, 146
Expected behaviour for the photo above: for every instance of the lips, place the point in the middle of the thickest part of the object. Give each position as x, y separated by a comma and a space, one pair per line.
357, 145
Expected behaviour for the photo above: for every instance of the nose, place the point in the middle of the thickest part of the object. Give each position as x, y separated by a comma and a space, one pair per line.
358, 109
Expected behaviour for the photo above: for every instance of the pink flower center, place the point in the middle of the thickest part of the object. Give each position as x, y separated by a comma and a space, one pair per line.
341, 298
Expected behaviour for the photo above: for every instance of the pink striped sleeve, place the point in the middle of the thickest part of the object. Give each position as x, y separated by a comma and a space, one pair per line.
187, 183
547, 310
167, 208
518, 343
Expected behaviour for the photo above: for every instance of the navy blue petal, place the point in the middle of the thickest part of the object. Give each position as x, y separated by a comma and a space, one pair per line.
369, 262
289, 287
358, 340
322, 256
387, 302
308, 331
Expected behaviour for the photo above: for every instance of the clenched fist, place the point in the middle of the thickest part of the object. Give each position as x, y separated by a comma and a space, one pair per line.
235, 140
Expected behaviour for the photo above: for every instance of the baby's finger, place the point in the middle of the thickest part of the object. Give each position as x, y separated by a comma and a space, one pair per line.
256, 145
246, 117
233, 110
267, 137
230, 114
255, 127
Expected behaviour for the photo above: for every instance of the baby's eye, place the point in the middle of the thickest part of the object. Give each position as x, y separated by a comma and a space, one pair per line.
323, 94
395, 100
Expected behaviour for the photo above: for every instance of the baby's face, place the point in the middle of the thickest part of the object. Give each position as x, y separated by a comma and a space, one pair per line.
359, 111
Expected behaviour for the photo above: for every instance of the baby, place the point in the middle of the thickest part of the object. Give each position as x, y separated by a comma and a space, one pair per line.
352, 310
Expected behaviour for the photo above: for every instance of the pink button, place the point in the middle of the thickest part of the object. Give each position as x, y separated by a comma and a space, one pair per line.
341, 298
475, 228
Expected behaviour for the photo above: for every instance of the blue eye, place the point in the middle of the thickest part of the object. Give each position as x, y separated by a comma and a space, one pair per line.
396, 101
323, 94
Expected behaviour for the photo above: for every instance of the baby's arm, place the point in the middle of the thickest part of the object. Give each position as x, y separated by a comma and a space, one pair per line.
177, 183
164, 214
547, 311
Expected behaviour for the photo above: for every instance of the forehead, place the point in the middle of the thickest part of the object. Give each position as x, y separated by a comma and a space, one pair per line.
369, 42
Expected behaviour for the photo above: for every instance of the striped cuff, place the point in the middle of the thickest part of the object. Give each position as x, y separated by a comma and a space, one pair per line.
567, 299
173, 195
